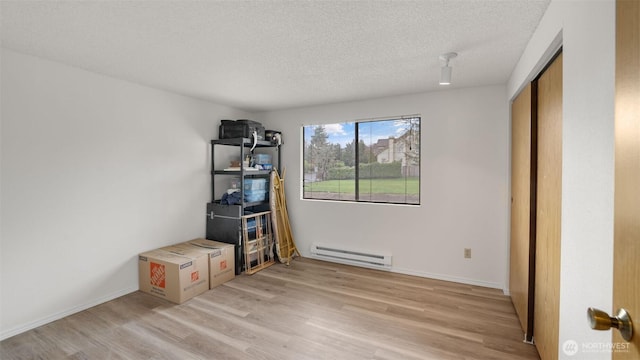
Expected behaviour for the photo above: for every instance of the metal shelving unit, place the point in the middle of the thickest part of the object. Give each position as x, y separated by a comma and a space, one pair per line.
242, 144
225, 222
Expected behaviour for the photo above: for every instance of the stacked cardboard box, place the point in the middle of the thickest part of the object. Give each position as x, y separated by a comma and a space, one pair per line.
221, 260
176, 277
182, 271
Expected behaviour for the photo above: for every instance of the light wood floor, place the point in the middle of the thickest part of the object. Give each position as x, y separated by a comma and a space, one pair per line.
309, 310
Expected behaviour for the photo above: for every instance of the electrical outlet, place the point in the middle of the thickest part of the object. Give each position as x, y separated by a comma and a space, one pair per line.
467, 253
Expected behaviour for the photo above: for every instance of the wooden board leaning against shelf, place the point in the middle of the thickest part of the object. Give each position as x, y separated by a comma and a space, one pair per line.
258, 242
283, 237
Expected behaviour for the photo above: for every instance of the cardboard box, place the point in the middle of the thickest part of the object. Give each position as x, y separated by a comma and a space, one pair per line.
221, 260
174, 274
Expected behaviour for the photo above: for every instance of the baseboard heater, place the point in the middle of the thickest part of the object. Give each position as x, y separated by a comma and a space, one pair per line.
341, 255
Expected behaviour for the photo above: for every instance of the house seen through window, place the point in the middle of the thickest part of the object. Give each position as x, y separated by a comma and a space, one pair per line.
366, 161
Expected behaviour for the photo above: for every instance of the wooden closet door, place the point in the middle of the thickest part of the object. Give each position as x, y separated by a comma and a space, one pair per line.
626, 253
549, 192
520, 240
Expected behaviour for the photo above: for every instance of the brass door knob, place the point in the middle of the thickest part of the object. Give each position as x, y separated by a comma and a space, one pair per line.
600, 320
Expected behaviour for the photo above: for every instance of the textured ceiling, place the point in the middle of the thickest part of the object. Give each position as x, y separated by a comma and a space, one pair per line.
265, 55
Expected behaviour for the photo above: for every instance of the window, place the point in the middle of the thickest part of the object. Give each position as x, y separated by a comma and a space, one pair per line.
369, 161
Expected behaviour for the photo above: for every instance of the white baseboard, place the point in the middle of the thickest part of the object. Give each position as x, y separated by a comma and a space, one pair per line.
34, 324
428, 275
456, 279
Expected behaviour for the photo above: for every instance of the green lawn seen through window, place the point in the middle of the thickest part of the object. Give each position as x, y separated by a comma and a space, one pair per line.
409, 186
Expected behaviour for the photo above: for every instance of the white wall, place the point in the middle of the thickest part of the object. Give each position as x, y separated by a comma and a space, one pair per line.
464, 186
94, 171
587, 31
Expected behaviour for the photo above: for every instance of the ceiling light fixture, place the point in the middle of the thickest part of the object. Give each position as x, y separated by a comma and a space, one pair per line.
445, 71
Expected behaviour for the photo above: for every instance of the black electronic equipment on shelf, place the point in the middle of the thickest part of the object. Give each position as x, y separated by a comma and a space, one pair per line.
243, 128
